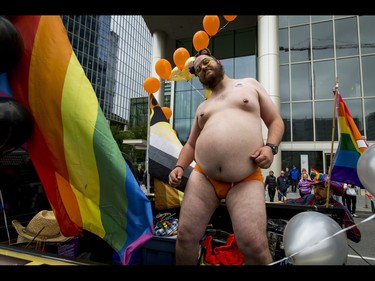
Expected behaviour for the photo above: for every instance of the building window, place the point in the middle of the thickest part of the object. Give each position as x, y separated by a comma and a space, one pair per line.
338, 49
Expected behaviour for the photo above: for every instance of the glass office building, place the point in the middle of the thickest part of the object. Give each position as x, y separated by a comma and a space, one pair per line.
314, 54
116, 55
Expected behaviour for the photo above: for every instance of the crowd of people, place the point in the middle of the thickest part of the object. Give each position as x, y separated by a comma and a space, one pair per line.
295, 181
313, 192
320, 196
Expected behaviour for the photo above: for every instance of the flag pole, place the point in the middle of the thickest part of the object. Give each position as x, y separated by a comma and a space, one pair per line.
333, 139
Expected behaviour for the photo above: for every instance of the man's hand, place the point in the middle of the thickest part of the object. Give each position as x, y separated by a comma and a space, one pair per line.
175, 176
263, 157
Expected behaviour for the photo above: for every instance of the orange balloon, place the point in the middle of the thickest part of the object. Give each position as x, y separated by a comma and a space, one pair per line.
211, 24
151, 85
167, 112
200, 40
163, 68
180, 56
230, 18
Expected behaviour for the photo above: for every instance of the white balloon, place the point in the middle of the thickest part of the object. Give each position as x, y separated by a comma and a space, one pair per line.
302, 240
189, 62
366, 169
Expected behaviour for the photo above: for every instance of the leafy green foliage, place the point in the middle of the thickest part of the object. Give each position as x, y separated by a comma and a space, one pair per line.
137, 132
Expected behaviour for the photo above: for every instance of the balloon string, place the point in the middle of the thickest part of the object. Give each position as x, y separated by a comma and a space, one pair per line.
192, 87
195, 89
221, 28
321, 241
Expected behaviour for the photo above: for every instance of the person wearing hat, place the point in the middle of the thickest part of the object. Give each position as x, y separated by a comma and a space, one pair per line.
319, 198
42, 228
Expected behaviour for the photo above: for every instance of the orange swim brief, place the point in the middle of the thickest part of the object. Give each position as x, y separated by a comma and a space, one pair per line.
221, 188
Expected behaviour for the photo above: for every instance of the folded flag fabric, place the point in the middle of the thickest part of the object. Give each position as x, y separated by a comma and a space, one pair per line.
350, 148
166, 197
164, 147
86, 179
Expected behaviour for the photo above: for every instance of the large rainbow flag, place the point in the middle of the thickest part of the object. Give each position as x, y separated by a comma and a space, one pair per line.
87, 181
350, 148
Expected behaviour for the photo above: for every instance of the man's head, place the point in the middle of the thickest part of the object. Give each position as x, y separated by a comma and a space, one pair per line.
204, 62
320, 189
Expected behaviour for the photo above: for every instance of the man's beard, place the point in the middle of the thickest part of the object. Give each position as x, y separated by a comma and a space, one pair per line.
213, 80
320, 200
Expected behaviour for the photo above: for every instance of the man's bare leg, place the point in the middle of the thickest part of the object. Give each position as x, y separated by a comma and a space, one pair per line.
246, 207
198, 205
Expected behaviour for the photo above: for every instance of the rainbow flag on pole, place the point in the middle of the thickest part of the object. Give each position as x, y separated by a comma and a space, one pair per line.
87, 181
350, 148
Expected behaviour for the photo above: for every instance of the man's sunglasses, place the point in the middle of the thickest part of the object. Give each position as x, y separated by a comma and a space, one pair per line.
198, 70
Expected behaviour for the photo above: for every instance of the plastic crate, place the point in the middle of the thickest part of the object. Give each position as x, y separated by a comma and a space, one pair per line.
159, 250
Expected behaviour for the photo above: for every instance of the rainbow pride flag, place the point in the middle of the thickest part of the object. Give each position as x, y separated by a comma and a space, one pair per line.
86, 179
350, 148
316, 175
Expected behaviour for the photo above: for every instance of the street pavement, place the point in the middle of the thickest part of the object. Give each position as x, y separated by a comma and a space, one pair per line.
363, 253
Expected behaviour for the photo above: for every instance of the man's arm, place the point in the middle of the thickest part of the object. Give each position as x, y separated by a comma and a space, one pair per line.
271, 118
186, 155
353, 233
274, 123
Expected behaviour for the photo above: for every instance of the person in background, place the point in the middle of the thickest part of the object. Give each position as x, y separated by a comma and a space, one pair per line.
371, 198
270, 185
343, 197
319, 198
351, 191
294, 176
229, 154
340, 198
282, 186
287, 174
304, 187
140, 174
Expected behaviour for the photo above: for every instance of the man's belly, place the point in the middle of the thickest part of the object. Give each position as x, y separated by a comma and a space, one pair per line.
223, 152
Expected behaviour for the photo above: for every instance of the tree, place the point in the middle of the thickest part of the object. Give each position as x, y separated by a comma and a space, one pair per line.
137, 132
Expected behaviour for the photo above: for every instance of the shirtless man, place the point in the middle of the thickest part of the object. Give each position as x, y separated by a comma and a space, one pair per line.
227, 145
